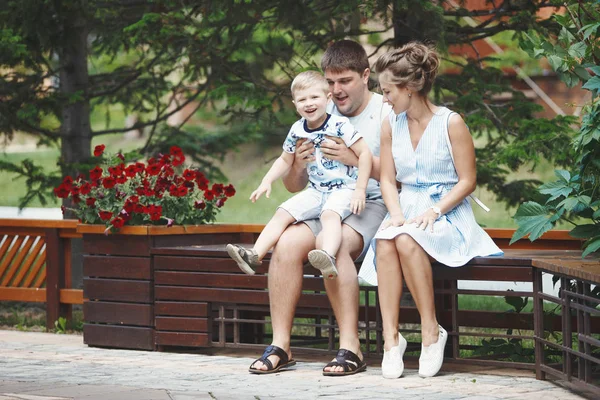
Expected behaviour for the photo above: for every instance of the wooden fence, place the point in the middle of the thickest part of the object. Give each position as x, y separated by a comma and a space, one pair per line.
35, 264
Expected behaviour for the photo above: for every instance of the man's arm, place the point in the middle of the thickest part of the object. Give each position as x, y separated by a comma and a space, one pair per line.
296, 179
336, 149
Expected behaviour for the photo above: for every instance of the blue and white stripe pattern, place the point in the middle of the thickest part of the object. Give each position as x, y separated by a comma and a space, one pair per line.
427, 174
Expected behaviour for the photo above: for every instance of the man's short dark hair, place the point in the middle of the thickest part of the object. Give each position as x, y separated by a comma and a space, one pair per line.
345, 55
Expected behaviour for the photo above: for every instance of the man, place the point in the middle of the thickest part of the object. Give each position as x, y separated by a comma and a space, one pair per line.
347, 71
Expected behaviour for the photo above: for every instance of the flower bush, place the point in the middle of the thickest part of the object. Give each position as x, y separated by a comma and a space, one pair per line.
159, 192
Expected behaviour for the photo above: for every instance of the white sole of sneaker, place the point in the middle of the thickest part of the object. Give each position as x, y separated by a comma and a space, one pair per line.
321, 261
233, 253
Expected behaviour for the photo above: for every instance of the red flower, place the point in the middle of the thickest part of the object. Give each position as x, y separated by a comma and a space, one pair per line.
153, 169
90, 201
189, 175
120, 156
62, 191
199, 205
131, 170
76, 199
121, 179
202, 182
217, 188
85, 188
95, 173
182, 191
208, 195
175, 151
99, 150
118, 222
105, 215
140, 167
229, 190
177, 161
109, 182
221, 202
68, 182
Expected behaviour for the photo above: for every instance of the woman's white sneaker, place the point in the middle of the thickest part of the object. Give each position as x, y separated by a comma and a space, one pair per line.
392, 365
432, 356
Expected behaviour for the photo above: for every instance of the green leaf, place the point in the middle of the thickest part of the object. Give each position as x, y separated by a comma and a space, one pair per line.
555, 62
589, 29
569, 203
595, 69
585, 231
555, 189
591, 246
596, 214
532, 219
562, 175
582, 73
577, 50
593, 85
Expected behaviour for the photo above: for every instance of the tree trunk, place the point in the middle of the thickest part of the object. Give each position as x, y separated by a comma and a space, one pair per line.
75, 130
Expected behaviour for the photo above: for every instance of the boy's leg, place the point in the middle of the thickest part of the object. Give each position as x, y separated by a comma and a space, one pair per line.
272, 232
335, 209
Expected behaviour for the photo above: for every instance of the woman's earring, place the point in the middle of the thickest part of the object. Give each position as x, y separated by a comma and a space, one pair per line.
409, 94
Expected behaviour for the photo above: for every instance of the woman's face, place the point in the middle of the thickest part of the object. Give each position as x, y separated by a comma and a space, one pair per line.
398, 98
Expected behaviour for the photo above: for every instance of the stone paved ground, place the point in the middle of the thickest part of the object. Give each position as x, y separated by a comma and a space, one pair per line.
43, 366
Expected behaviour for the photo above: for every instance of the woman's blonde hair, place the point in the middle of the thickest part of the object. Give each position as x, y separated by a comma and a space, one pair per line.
413, 66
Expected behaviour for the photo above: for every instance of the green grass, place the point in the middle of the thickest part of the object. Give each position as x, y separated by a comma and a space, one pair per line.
245, 169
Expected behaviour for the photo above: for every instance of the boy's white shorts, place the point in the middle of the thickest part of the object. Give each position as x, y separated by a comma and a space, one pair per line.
310, 203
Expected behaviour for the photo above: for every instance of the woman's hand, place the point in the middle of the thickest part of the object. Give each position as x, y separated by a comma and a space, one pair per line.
394, 220
424, 220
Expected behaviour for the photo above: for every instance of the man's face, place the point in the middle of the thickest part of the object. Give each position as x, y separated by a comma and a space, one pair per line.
349, 90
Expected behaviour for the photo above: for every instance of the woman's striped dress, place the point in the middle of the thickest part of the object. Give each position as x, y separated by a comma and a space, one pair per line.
427, 174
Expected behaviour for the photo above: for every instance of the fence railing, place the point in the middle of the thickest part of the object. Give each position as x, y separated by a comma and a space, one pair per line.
35, 264
35, 261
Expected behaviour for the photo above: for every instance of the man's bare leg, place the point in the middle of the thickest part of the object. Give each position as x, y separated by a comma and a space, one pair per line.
343, 292
285, 284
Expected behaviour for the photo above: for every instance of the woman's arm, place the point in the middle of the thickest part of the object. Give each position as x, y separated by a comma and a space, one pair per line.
463, 151
387, 179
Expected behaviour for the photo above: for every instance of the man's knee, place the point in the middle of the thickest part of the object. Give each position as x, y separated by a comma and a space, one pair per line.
293, 245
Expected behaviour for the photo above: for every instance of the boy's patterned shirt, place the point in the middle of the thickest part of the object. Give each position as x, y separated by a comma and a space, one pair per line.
324, 174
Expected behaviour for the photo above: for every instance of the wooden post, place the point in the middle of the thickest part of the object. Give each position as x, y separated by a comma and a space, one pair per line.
55, 277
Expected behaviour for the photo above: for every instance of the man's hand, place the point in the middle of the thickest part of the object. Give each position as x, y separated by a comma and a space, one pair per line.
357, 203
304, 154
262, 188
334, 148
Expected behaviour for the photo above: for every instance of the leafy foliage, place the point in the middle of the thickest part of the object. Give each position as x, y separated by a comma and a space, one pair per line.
61, 60
574, 54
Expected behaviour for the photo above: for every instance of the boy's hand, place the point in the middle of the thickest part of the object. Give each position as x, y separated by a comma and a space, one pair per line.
304, 154
262, 188
357, 204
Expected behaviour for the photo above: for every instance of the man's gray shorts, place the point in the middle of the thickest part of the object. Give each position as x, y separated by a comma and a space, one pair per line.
366, 224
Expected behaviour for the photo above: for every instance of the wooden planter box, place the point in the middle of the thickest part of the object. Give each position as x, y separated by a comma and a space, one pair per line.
118, 285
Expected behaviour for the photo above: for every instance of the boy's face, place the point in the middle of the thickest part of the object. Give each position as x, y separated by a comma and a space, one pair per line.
311, 104
349, 90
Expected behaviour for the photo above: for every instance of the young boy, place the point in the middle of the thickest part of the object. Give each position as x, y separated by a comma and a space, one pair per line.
335, 190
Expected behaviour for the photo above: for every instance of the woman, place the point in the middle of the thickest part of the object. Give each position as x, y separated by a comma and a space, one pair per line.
431, 217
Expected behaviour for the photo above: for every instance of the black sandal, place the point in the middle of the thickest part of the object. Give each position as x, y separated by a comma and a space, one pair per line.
349, 361
272, 351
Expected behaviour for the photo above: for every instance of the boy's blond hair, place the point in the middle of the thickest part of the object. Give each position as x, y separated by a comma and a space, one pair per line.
307, 79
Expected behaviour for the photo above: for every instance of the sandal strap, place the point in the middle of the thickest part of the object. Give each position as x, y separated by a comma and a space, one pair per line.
277, 351
348, 360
